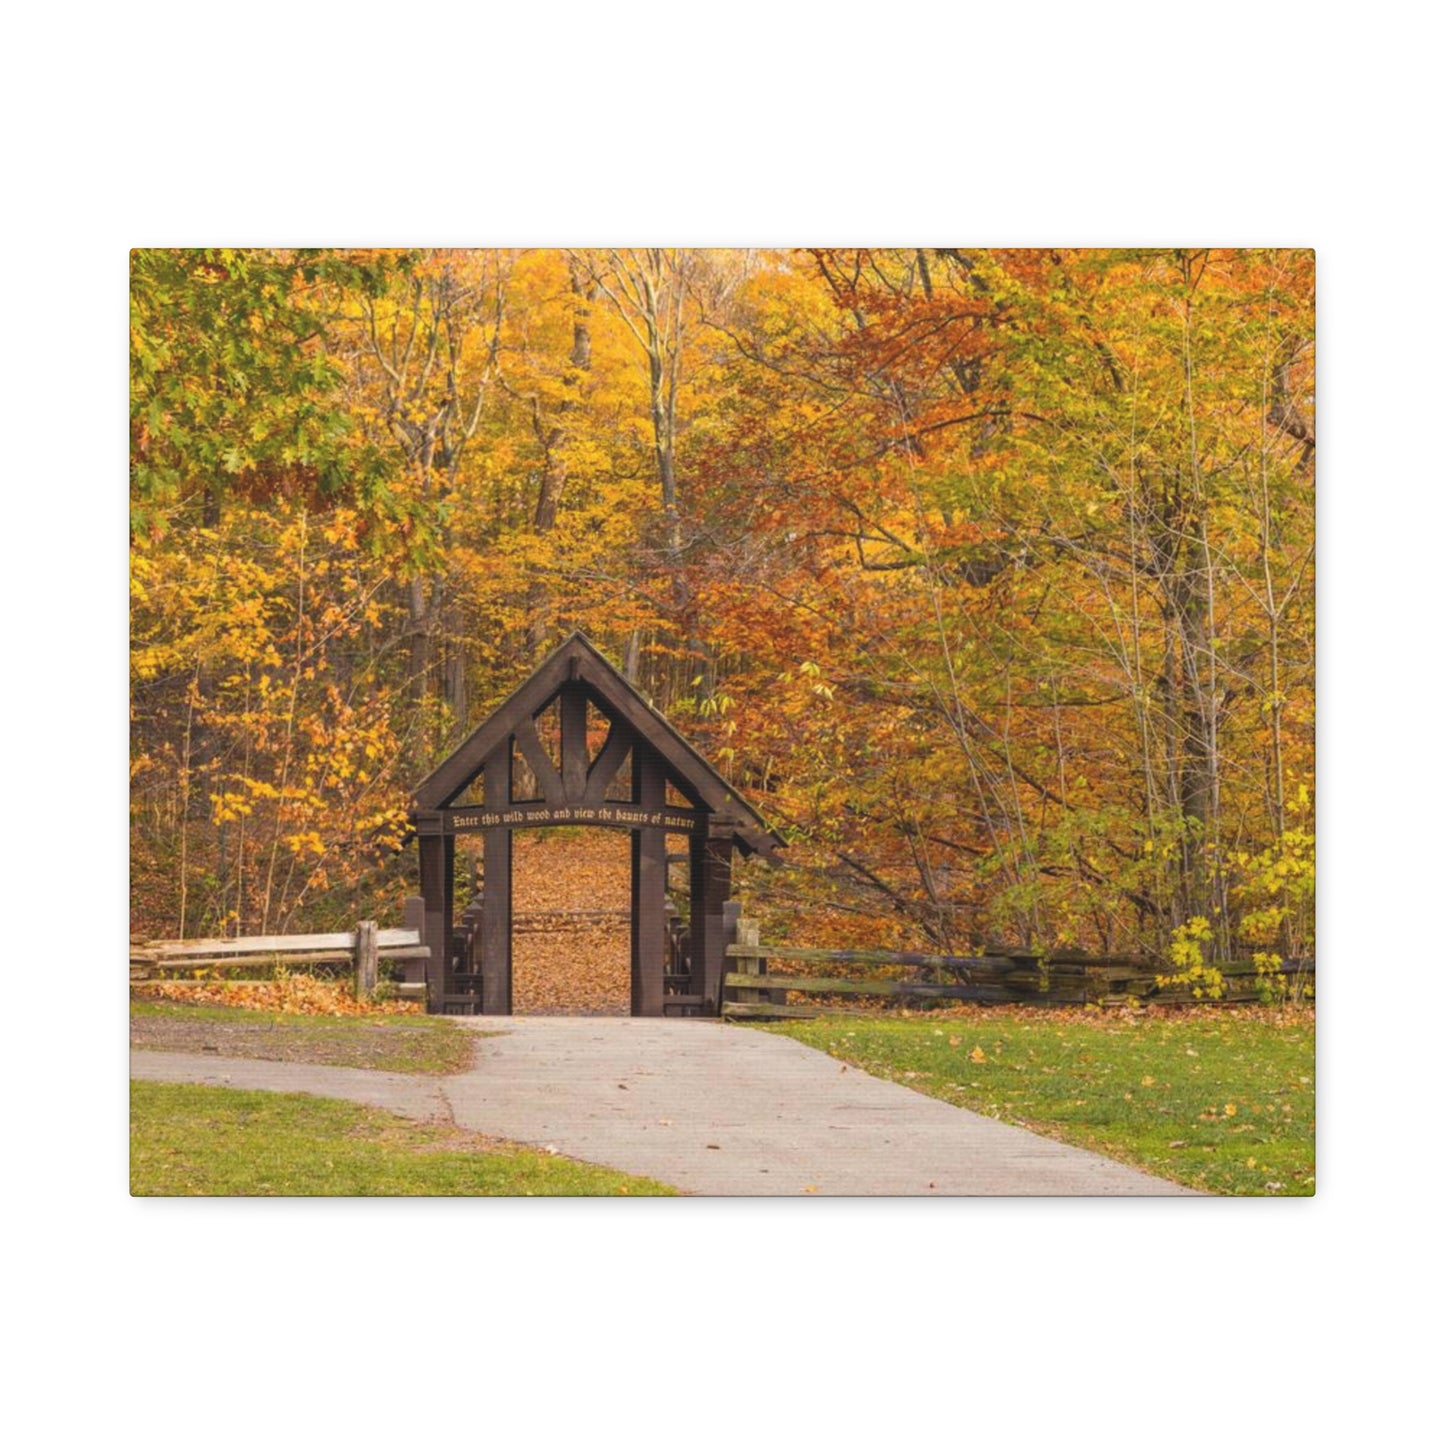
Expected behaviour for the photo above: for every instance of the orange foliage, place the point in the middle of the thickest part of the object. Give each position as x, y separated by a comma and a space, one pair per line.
987, 574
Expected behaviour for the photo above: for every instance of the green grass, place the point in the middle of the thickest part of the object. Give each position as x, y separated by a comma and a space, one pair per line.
1216, 1099
187, 1139
396, 1043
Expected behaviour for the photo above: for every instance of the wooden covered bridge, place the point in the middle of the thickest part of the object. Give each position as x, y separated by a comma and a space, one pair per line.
577, 744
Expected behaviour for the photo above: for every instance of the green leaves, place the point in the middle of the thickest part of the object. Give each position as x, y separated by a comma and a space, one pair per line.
232, 394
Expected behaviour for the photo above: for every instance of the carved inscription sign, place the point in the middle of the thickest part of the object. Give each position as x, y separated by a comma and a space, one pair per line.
622, 815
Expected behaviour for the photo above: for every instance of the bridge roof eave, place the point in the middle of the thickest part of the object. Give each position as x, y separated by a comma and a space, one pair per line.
577, 660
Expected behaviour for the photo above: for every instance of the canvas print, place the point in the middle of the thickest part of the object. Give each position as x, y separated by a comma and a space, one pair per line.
779, 721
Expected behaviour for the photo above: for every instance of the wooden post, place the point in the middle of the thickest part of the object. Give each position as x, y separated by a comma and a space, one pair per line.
748, 935
574, 742
697, 908
496, 930
730, 925
436, 895
472, 923
649, 889
449, 888
496, 939
368, 960
669, 936
649, 921
719, 920
413, 915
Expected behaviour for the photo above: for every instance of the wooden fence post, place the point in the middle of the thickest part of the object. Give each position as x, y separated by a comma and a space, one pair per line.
367, 959
732, 913
749, 935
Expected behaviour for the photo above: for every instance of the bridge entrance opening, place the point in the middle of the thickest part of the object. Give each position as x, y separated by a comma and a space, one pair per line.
572, 921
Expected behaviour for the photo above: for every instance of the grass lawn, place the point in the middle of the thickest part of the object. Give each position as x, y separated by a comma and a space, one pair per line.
190, 1139
1220, 1100
396, 1043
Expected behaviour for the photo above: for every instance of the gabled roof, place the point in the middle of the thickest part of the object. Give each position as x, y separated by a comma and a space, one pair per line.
577, 660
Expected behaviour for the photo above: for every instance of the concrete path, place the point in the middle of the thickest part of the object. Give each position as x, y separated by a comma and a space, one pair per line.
706, 1107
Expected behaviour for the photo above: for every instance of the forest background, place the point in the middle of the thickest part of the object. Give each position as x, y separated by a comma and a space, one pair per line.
986, 574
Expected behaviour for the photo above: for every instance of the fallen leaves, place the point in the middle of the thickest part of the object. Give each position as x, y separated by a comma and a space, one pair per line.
579, 961
294, 993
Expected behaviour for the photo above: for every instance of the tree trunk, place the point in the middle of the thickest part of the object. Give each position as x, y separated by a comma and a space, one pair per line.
554, 437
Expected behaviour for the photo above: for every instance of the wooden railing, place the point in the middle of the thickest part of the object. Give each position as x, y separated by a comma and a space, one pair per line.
751, 989
163, 960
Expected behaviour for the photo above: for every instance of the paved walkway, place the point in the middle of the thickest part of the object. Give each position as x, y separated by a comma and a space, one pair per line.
706, 1107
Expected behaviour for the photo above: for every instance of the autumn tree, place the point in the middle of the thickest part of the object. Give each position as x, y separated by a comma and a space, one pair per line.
420, 336
1023, 495
988, 573
262, 748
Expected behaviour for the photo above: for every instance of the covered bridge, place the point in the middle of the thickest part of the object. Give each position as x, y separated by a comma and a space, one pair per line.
578, 744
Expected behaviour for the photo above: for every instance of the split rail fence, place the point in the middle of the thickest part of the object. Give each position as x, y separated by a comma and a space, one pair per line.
763, 980
812, 981
365, 950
